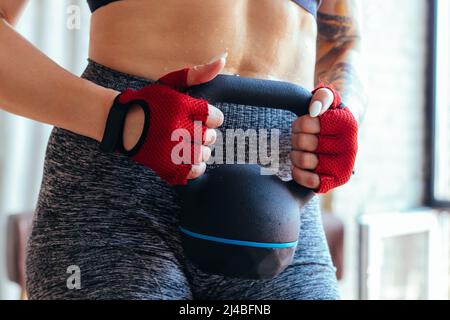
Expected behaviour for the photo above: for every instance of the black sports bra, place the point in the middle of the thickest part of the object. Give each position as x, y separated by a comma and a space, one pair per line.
309, 5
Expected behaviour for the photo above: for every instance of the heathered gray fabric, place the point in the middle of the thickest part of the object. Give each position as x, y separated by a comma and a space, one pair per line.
118, 222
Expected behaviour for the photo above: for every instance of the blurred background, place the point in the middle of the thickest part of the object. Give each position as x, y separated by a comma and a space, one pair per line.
388, 229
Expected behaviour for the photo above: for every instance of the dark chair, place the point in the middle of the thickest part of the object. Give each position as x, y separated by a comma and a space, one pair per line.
334, 231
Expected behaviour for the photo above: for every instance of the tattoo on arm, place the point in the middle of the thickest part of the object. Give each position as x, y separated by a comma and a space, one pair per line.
338, 41
332, 27
341, 73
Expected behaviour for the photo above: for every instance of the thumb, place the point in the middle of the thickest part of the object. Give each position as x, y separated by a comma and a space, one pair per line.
321, 102
206, 72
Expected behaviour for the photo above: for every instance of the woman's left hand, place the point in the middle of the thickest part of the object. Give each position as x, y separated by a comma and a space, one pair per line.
324, 143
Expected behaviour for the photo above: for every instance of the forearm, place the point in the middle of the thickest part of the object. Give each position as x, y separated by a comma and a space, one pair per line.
33, 86
338, 53
345, 75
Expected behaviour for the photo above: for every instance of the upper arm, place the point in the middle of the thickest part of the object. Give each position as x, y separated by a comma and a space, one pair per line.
339, 21
10, 10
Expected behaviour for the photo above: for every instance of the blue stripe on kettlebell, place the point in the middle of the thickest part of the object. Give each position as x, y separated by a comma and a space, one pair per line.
240, 242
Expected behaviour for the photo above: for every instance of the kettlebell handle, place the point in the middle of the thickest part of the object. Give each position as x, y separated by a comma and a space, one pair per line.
254, 92
259, 93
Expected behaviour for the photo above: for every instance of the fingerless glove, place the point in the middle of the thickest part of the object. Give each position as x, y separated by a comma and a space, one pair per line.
338, 144
166, 110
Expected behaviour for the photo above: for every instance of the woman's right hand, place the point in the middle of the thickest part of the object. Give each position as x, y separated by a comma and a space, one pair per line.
154, 113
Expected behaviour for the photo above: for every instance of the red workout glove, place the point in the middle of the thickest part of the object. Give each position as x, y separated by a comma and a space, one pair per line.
166, 110
338, 144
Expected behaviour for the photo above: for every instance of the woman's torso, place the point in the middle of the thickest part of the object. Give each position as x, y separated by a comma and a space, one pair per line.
268, 39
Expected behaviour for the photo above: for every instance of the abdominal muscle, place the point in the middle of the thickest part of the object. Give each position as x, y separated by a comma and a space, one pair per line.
266, 39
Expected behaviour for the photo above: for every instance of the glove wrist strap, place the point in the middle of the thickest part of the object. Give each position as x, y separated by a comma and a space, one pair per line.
114, 126
113, 135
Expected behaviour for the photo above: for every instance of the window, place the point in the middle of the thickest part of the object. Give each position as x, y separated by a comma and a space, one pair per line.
439, 103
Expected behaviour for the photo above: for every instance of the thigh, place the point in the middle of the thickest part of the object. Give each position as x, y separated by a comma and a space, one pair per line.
94, 271
107, 216
310, 276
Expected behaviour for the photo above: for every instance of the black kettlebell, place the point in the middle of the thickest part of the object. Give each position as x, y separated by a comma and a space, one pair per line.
234, 221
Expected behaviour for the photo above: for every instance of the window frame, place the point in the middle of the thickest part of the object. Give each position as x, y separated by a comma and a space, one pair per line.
431, 109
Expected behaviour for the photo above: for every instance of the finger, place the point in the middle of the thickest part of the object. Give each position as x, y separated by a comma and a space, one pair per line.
215, 117
197, 170
210, 137
304, 142
306, 178
321, 102
206, 72
306, 124
201, 154
332, 145
304, 160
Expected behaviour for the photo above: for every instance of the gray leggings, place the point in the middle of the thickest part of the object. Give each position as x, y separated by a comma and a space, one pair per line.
117, 223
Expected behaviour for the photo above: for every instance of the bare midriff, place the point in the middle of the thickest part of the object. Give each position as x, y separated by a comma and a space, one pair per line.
266, 39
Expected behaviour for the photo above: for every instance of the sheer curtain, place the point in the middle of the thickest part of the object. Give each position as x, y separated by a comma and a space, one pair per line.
59, 28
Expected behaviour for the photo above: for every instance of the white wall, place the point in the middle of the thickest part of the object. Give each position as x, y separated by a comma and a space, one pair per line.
23, 142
